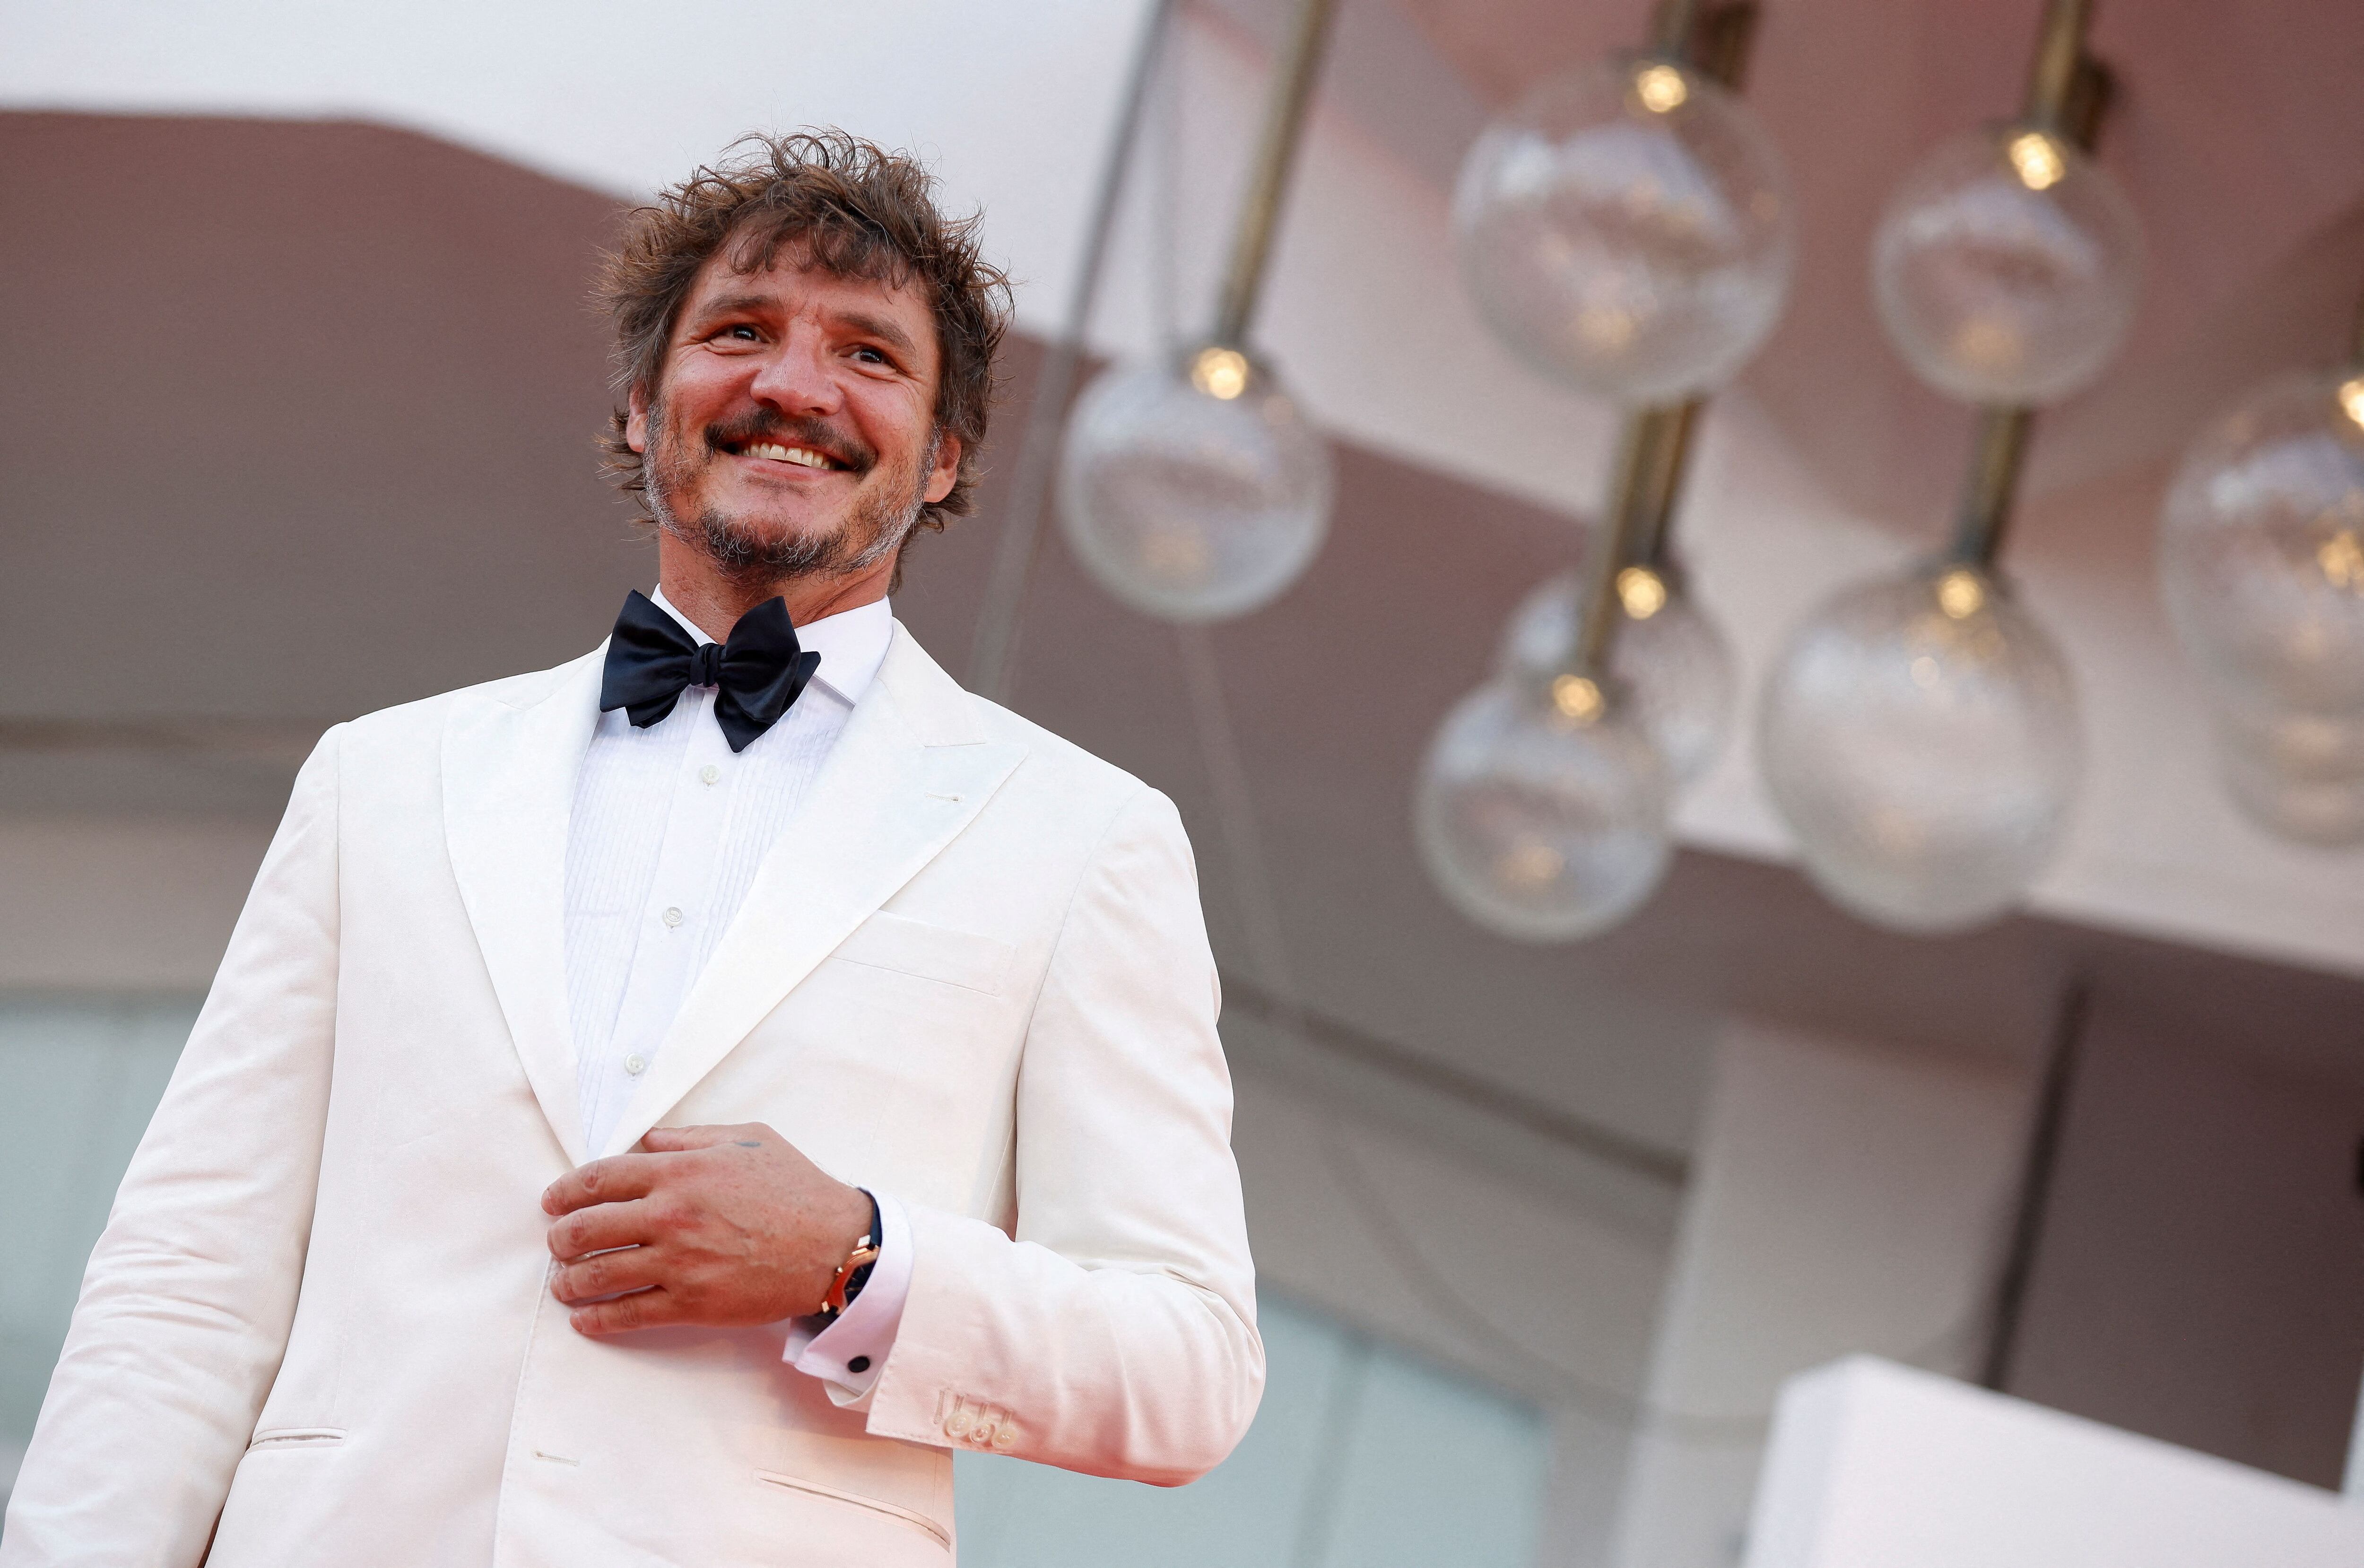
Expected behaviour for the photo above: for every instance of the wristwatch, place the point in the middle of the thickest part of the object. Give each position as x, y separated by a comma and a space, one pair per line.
855, 1272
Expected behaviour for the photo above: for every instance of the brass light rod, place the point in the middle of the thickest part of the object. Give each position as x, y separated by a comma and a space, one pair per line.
2068, 92
1623, 526
1671, 461
1674, 24
1284, 125
2053, 77
1655, 449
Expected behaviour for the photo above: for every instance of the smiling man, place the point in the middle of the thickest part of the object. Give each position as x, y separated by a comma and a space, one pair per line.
653, 1110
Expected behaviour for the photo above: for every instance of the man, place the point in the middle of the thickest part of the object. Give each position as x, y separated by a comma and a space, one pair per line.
651, 1110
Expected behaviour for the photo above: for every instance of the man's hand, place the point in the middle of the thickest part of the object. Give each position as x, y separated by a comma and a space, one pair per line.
722, 1226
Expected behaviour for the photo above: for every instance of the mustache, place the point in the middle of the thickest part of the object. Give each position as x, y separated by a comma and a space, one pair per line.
797, 430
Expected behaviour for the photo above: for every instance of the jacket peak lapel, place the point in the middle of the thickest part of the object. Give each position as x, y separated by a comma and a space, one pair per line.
510, 759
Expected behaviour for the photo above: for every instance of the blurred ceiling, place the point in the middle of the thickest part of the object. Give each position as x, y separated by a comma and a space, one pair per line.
2233, 128
299, 424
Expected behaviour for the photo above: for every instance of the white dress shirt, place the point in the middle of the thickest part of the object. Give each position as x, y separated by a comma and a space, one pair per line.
668, 830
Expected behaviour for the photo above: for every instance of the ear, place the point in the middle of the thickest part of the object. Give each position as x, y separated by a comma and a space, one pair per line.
947, 469
636, 422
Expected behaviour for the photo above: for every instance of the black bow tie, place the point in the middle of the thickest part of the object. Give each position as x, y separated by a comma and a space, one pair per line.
758, 672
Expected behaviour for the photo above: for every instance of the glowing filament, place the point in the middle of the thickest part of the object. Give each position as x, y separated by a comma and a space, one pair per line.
2038, 161
2351, 398
2342, 558
1577, 697
1531, 866
1642, 591
1661, 88
1220, 372
1961, 593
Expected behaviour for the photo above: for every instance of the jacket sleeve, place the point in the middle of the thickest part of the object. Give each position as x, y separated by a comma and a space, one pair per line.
186, 1305
1114, 1332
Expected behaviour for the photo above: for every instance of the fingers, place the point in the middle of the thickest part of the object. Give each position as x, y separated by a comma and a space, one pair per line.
642, 1309
603, 1225
607, 1274
615, 1179
675, 1139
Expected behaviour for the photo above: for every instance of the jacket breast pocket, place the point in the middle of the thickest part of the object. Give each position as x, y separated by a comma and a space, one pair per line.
905, 946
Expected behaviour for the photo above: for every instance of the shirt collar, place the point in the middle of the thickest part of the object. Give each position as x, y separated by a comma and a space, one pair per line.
851, 644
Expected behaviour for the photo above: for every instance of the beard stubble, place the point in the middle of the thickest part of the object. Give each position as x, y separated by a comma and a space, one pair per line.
884, 512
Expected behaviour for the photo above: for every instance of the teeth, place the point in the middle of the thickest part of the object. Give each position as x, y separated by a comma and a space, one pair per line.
802, 456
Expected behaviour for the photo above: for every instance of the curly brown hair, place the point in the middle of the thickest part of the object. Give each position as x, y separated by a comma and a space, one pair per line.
841, 203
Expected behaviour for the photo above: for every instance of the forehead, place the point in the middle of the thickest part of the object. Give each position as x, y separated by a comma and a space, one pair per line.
792, 285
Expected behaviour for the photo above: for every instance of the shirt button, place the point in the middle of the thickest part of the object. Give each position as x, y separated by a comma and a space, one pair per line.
708, 773
636, 1064
672, 916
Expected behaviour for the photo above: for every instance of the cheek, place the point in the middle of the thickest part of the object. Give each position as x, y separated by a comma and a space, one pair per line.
893, 424
695, 395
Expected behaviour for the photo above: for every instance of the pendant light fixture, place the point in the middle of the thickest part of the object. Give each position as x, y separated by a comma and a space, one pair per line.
1542, 808
1674, 664
2007, 266
1542, 805
2261, 563
1627, 229
1920, 735
1192, 487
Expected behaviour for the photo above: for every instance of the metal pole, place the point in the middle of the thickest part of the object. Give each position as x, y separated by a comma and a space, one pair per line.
2354, 1487
1004, 604
1619, 526
1720, 42
1995, 458
1276, 158
1672, 25
1655, 449
2035, 1187
1669, 463
2068, 93
2053, 77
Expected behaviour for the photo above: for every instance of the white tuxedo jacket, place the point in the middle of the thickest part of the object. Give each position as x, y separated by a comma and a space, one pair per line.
973, 972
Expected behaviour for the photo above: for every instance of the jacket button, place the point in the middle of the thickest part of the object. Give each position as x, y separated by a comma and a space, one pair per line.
1005, 1436
957, 1424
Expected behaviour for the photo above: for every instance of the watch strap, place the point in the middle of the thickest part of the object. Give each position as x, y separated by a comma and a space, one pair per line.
846, 1284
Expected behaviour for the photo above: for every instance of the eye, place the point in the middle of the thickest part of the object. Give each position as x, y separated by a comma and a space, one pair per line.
870, 354
733, 333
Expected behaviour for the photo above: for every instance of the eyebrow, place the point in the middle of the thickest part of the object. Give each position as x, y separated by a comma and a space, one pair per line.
736, 304
861, 321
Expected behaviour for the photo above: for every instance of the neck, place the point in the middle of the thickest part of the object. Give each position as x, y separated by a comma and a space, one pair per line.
714, 601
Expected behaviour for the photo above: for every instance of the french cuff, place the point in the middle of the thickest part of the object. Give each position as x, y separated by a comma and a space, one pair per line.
848, 1355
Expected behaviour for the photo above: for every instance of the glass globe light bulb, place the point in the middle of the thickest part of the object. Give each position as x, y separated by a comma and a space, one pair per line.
2007, 266
2298, 775
1627, 229
2261, 548
1194, 491
1920, 738
1542, 809
1676, 667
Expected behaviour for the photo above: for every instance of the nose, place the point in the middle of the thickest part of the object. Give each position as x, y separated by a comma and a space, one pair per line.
799, 377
